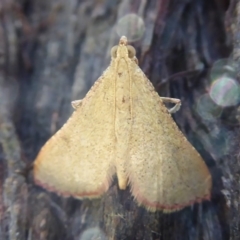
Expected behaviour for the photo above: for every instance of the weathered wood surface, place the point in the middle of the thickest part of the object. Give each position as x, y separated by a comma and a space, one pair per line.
51, 52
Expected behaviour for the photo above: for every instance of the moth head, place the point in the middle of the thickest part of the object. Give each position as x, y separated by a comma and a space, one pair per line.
123, 50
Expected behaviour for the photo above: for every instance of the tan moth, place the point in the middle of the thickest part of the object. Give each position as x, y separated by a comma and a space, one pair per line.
122, 127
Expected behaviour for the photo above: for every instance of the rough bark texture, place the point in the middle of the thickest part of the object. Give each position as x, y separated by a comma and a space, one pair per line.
51, 52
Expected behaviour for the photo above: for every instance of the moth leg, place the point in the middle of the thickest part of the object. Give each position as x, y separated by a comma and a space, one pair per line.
76, 104
135, 60
172, 100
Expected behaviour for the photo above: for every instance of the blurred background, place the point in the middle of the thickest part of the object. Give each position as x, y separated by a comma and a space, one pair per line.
52, 52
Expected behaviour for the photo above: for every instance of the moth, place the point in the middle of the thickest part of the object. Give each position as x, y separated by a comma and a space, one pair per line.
123, 128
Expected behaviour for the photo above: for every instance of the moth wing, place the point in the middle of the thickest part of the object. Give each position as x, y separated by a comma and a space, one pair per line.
165, 171
79, 159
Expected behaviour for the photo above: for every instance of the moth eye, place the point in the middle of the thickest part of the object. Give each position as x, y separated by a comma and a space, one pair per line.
114, 51
131, 51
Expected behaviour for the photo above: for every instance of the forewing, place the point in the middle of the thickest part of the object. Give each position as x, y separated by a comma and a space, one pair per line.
165, 171
78, 159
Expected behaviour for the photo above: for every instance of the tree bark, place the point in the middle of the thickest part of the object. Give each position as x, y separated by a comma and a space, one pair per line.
51, 52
